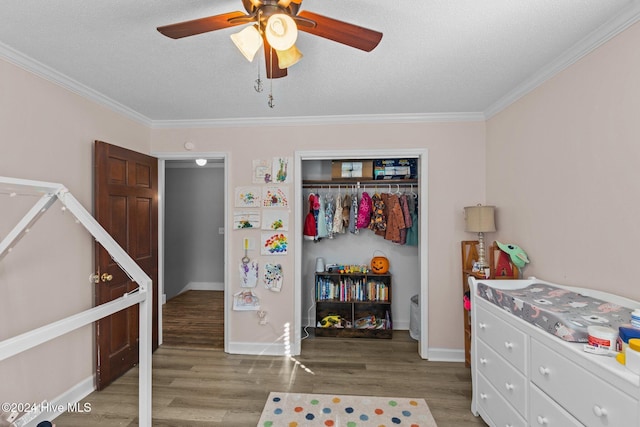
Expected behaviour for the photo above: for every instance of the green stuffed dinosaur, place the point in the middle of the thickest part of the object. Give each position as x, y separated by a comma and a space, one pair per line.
518, 256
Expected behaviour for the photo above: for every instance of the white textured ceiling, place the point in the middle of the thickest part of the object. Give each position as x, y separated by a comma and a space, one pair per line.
437, 57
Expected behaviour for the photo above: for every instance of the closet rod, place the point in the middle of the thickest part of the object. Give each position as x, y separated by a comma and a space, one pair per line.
358, 184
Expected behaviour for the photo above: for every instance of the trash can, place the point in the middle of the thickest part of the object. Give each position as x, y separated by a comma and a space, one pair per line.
414, 319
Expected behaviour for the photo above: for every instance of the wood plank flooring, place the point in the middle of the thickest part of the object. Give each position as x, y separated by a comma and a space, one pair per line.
207, 387
194, 319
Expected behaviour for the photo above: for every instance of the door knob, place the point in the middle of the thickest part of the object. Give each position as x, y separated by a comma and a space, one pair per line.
106, 277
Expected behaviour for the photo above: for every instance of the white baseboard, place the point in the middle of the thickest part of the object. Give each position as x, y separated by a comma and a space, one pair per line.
445, 355
260, 349
67, 401
203, 286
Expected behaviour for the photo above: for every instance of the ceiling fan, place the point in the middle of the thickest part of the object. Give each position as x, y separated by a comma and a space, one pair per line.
275, 24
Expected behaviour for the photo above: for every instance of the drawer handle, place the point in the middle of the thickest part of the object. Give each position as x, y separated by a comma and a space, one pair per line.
483, 361
543, 371
542, 420
482, 325
508, 345
600, 412
483, 396
508, 386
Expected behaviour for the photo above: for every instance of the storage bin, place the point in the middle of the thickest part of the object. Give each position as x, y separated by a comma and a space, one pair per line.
414, 319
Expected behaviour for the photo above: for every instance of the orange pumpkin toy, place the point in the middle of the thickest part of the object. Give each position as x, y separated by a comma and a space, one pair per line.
380, 264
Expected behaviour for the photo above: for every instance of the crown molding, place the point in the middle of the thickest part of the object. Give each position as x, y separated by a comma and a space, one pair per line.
320, 120
585, 46
27, 63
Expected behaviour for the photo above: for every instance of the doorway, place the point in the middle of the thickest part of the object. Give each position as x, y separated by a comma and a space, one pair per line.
192, 242
421, 156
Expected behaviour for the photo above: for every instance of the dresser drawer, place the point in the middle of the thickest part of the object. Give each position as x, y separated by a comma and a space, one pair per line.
588, 398
544, 412
503, 338
491, 403
505, 378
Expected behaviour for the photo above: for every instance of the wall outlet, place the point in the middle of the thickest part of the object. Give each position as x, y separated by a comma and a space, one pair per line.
220, 230
263, 317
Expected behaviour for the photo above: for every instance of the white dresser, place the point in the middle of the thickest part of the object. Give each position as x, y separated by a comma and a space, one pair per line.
524, 376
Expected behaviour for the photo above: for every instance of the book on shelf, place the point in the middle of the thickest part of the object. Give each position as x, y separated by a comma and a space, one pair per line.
351, 289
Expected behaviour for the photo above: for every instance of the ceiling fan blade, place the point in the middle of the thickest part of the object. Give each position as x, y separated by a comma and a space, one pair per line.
341, 32
271, 62
202, 25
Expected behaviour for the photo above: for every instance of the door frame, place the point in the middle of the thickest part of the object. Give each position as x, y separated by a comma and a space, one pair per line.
162, 158
423, 243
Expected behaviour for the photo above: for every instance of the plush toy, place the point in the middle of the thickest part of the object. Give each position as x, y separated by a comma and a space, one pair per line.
331, 321
518, 256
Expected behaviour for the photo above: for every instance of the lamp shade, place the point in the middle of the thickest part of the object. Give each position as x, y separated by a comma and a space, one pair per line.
480, 219
248, 41
281, 31
286, 58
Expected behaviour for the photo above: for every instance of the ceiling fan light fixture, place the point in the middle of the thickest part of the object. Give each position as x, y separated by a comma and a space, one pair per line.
248, 41
289, 57
281, 31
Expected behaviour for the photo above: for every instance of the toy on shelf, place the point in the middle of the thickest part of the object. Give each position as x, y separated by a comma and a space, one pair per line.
332, 321
518, 256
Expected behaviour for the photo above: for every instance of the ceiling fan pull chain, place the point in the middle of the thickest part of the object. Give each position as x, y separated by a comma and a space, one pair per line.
258, 85
270, 101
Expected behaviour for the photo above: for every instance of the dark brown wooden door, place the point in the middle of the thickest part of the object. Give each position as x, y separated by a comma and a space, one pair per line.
126, 205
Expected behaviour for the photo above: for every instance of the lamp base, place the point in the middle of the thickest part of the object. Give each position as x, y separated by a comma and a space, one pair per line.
482, 262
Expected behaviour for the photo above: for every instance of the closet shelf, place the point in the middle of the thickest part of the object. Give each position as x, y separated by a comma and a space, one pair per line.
312, 183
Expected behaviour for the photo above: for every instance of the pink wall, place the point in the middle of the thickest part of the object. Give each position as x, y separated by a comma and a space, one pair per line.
563, 170
456, 168
47, 134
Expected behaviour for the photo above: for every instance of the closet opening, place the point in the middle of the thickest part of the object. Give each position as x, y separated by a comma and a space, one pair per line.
337, 291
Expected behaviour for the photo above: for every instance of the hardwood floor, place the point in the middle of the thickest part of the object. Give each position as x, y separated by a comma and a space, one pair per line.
207, 387
194, 319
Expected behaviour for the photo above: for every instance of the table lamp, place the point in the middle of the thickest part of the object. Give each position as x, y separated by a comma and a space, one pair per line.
480, 219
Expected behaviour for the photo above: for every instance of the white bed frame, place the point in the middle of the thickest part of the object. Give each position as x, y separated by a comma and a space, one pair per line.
50, 192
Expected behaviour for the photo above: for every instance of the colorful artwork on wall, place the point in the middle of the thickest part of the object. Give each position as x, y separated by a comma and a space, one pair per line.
274, 244
247, 197
276, 219
246, 219
281, 169
262, 172
275, 196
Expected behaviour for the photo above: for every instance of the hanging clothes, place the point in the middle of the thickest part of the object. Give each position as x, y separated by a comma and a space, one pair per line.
364, 211
346, 211
378, 214
412, 232
310, 232
382, 228
338, 225
328, 214
395, 219
404, 205
353, 215
321, 221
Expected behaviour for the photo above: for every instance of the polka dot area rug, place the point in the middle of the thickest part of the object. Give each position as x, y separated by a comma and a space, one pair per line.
330, 410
